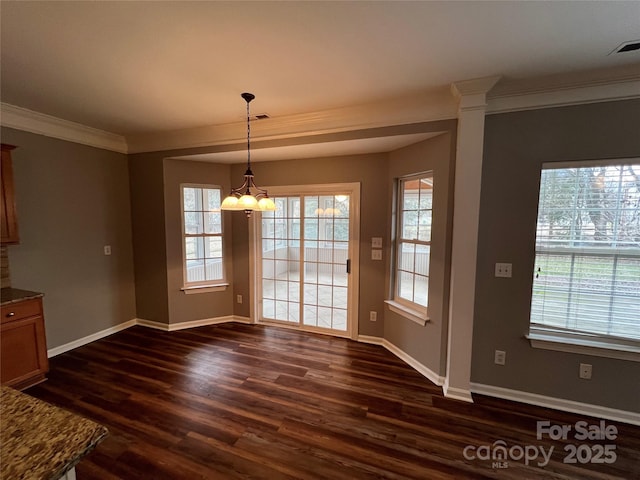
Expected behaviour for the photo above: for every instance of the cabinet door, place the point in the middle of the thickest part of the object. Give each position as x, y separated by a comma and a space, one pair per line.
23, 348
8, 220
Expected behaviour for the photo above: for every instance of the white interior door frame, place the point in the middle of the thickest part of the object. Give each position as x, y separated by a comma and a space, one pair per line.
255, 274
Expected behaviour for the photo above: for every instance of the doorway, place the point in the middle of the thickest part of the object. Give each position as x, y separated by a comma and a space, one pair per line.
306, 259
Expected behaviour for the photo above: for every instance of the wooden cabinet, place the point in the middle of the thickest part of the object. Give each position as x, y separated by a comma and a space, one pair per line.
23, 346
9, 220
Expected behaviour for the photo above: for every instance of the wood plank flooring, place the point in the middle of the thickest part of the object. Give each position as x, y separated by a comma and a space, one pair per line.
240, 401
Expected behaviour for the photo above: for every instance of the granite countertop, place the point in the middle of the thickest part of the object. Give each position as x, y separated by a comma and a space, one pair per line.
12, 295
41, 441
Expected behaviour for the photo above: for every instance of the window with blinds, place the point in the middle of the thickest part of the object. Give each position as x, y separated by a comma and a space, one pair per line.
587, 265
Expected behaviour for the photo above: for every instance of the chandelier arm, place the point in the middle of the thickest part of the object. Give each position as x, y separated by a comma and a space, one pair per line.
262, 193
239, 191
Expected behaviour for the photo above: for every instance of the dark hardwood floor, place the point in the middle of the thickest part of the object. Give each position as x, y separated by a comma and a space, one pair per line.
253, 402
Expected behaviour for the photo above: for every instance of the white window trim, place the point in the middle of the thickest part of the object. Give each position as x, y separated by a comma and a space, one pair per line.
584, 343
420, 317
190, 290
205, 286
409, 310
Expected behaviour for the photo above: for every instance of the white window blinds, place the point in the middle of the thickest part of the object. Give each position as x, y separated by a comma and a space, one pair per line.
587, 267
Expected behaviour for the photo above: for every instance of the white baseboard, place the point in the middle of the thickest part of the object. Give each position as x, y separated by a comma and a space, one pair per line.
370, 339
457, 393
557, 403
499, 392
52, 352
144, 323
405, 357
172, 327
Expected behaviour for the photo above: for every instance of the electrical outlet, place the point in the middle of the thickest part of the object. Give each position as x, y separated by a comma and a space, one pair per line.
239, 298
376, 242
585, 371
503, 270
107, 249
373, 316
376, 254
500, 357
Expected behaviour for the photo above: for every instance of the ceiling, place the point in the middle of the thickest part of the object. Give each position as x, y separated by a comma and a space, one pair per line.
136, 68
314, 149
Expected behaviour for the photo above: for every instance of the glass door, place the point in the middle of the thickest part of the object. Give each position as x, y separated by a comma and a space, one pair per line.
306, 255
280, 242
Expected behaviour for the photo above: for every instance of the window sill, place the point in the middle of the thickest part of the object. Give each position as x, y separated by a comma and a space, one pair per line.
584, 344
221, 287
421, 318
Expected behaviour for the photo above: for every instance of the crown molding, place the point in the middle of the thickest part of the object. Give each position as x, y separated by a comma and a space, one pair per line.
602, 91
428, 106
472, 94
436, 104
23, 119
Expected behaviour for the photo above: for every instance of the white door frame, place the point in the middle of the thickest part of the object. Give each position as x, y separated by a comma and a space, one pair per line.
353, 189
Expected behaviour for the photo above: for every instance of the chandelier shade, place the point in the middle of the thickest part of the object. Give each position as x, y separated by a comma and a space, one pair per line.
248, 197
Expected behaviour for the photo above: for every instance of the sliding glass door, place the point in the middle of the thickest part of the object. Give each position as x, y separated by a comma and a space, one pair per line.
306, 255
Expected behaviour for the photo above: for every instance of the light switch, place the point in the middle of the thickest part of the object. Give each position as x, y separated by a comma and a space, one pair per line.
376, 254
376, 242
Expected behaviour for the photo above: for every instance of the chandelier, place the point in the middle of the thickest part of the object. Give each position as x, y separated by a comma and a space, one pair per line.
248, 196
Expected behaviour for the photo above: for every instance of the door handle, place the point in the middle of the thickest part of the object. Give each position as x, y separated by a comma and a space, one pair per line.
348, 265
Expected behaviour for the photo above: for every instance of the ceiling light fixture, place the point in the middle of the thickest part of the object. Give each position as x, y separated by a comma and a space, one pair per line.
248, 196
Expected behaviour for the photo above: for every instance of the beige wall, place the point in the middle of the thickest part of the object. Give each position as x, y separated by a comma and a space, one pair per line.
183, 307
516, 145
146, 173
72, 200
428, 343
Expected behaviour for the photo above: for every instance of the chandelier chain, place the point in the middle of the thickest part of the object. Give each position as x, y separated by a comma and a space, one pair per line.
248, 138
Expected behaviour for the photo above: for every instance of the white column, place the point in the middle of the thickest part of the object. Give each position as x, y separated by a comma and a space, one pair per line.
472, 98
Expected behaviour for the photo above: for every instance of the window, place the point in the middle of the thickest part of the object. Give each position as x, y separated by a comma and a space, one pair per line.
586, 286
202, 233
413, 247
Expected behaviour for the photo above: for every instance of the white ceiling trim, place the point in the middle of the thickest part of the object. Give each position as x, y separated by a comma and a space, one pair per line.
434, 105
623, 89
27, 120
472, 94
424, 107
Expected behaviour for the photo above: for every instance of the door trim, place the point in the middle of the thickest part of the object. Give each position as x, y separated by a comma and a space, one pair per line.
353, 189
